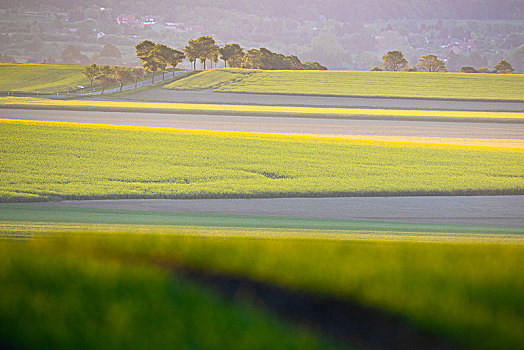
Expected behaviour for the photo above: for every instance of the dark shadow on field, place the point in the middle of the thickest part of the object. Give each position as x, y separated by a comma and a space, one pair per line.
347, 322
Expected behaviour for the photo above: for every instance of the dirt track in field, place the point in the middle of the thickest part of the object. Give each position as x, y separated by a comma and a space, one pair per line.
474, 210
165, 95
310, 126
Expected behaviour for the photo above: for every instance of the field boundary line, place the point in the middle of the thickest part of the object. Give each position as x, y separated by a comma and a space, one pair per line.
363, 96
264, 114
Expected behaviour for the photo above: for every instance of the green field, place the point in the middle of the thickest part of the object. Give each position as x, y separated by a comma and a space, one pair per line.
348, 83
66, 300
45, 218
467, 293
247, 110
51, 160
43, 78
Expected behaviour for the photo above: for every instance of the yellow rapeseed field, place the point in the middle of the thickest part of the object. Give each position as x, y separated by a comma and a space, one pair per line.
52, 160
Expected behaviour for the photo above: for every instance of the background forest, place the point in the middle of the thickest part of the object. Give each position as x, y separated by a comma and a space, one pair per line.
337, 34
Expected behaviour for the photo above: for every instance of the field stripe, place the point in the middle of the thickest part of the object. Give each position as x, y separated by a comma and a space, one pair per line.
502, 144
24, 102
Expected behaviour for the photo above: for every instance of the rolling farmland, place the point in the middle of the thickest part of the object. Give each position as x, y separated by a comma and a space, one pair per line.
345, 83
49, 160
43, 78
276, 267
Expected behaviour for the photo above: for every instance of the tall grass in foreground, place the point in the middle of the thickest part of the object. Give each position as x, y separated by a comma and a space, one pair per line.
66, 288
47, 160
70, 300
348, 83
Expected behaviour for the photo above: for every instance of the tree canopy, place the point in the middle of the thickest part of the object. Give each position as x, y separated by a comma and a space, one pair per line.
265, 59
71, 55
231, 54
431, 63
157, 57
91, 72
394, 61
503, 67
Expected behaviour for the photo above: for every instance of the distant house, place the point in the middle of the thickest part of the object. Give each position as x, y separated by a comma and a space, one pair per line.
127, 19
150, 20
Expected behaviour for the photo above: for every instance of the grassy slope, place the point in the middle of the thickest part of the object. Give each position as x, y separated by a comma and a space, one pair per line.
48, 160
44, 78
66, 300
346, 83
469, 293
317, 112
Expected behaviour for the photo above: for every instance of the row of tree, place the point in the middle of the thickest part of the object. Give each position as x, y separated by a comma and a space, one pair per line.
157, 57
503, 67
395, 61
110, 75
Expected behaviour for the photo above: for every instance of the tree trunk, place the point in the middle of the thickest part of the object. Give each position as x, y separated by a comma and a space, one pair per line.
121, 86
102, 91
136, 82
163, 74
225, 64
205, 64
153, 78
91, 82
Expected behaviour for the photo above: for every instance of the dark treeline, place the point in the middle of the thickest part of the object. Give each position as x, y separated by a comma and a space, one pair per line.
206, 49
342, 10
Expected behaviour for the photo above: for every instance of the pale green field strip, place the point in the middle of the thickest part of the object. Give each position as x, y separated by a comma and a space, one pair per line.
467, 293
43, 78
317, 112
348, 83
21, 219
52, 160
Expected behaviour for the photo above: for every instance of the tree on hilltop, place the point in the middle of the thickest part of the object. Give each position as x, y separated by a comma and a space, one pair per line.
160, 55
144, 52
231, 54
503, 67
206, 49
394, 61
175, 57
431, 63
252, 59
468, 69
191, 52
309, 65
143, 49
